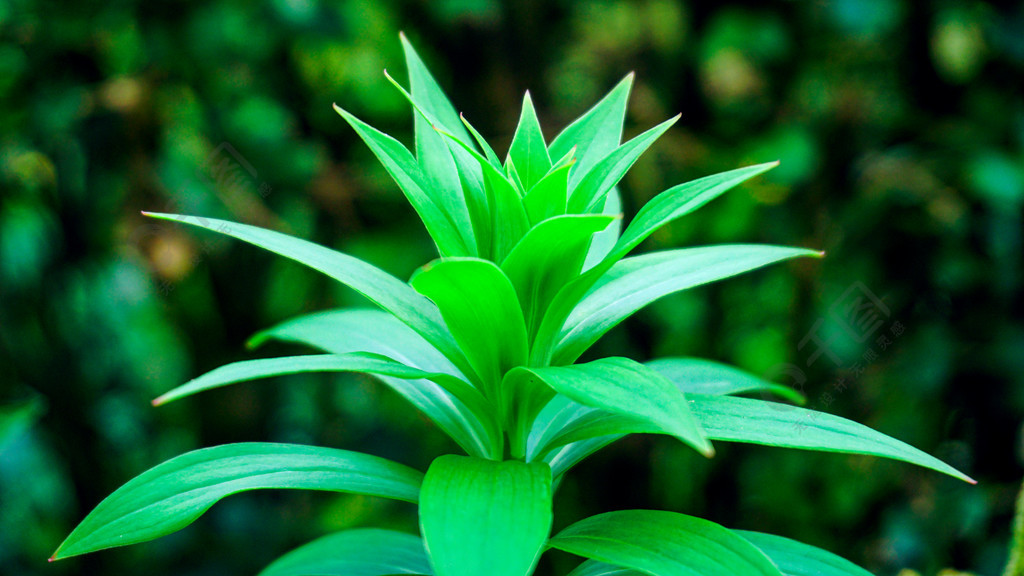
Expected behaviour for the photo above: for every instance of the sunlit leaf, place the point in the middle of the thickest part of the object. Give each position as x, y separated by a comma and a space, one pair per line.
358, 552
528, 152
707, 377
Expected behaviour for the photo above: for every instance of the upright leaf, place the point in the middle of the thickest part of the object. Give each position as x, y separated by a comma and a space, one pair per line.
485, 517
589, 195
663, 543
622, 386
429, 94
707, 377
378, 286
482, 311
358, 552
528, 152
548, 197
797, 559
605, 241
172, 495
637, 281
595, 134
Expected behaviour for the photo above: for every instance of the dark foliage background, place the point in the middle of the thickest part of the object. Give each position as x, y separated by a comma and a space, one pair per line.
900, 126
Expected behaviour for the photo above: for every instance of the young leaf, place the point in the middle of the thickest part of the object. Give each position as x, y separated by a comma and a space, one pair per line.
605, 241
492, 158
482, 311
595, 134
589, 195
345, 331
485, 517
732, 420
426, 200
701, 376
549, 256
663, 543
172, 495
625, 387
358, 552
637, 281
378, 286
797, 559
679, 201
528, 152
428, 93
548, 197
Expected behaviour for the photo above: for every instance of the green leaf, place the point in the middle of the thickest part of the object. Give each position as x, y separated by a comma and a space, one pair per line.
559, 413
593, 568
428, 93
492, 158
172, 495
528, 152
548, 257
345, 331
797, 559
548, 197
406, 171
482, 312
605, 241
358, 552
622, 386
679, 201
701, 376
731, 419
596, 134
378, 286
589, 195
635, 282
663, 544
485, 517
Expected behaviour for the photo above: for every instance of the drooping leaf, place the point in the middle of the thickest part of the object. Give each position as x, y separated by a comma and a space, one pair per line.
622, 386
485, 517
375, 331
679, 201
701, 376
753, 421
596, 133
663, 543
528, 152
549, 256
358, 552
797, 559
635, 282
482, 312
589, 195
548, 197
406, 171
172, 495
376, 285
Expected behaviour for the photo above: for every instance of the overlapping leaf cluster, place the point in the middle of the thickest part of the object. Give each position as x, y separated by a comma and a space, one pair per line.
534, 269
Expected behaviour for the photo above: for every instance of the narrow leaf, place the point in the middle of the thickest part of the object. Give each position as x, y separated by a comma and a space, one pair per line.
589, 195
378, 286
636, 282
797, 559
428, 92
622, 386
172, 495
663, 543
359, 552
707, 377
528, 152
485, 517
489, 153
595, 134
605, 241
548, 197
772, 424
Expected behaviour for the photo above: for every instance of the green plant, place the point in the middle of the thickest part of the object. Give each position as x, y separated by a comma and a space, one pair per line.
483, 341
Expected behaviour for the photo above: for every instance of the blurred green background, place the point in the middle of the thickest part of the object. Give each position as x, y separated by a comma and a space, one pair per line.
900, 126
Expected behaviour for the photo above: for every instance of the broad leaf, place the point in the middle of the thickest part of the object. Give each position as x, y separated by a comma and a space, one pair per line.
482, 311
359, 552
485, 517
663, 544
375, 331
797, 559
622, 386
172, 495
378, 286
701, 376
732, 419
679, 201
637, 281
589, 195
594, 568
403, 167
528, 152
595, 134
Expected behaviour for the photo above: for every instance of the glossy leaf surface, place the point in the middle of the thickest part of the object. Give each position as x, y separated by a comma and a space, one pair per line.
358, 552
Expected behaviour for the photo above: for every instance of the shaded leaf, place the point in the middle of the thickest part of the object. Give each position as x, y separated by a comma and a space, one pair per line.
707, 377
797, 559
359, 552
